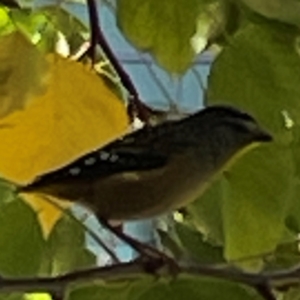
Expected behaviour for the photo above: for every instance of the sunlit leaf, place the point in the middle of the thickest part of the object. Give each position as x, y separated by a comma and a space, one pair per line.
75, 114
31, 24
211, 23
37, 296
6, 25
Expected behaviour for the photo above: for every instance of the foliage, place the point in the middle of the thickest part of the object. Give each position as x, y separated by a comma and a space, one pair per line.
54, 108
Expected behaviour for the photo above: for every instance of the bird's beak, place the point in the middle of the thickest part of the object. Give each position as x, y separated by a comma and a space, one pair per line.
262, 135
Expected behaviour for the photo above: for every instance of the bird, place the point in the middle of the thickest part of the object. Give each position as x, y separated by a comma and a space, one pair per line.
154, 170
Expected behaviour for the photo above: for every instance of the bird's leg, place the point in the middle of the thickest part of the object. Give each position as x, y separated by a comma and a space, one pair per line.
141, 248
149, 255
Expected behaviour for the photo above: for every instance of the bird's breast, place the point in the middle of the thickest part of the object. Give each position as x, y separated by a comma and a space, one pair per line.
136, 195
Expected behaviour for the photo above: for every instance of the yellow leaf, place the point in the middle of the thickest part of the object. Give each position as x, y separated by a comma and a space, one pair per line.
48, 214
77, 113
22, 72
37, 296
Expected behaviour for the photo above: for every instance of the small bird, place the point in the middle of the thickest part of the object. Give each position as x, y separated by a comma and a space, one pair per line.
154, 170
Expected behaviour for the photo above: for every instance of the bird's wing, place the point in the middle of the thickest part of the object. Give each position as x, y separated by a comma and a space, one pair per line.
146, 149
135, 152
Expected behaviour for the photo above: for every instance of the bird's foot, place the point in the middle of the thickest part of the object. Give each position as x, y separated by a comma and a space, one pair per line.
153, 260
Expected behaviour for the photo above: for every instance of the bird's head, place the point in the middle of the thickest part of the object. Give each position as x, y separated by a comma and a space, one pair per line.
226, 130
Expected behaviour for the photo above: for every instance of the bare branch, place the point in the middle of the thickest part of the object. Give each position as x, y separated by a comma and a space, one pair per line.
264, 283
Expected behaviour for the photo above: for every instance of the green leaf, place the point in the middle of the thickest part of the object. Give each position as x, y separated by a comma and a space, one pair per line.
293, 218
292, 294
188, 287
30, 23
206, 213
170, 243
67, 24
181, 288
21, 66
287, 11
37, 27
102, 291
286, 256
258, 196
14, 296
259, 72
197, 247
163, 29
21, 239
6, 24
66, 248
42, 26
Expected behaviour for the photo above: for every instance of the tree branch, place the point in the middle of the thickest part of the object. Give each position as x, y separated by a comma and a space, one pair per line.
265, 291
55, 285
263, 282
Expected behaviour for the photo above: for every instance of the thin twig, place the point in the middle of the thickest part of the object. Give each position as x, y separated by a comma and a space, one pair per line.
97, 38
141, 248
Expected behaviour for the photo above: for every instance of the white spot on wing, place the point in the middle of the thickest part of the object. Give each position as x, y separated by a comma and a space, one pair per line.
104, 155
74, 171
90, 161
113, 157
